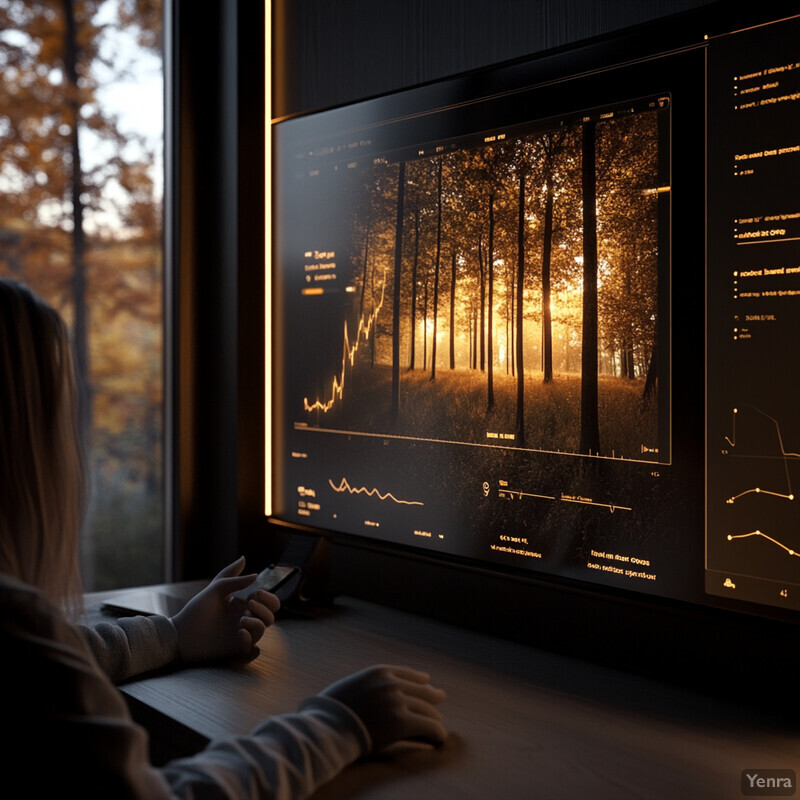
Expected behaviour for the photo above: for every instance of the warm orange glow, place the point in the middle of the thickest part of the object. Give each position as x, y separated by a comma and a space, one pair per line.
268, 257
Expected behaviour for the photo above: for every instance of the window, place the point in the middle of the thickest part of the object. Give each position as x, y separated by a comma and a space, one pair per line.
81, 185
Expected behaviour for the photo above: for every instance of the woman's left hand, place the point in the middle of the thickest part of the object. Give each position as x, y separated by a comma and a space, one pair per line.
214, 625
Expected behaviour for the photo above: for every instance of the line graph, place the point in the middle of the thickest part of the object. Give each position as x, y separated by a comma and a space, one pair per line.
517, 494
612, 507
512, 494
752, 509
789, 550
344, 486
758, 490
782, 453
731, 440
349, 350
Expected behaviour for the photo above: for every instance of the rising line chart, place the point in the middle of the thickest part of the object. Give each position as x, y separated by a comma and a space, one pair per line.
349, 350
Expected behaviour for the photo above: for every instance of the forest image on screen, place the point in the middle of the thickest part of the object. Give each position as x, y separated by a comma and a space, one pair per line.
473, 356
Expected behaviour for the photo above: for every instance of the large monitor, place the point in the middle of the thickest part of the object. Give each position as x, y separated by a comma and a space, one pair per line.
543, 320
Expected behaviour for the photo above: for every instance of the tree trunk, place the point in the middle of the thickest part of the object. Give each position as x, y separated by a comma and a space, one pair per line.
364, 272
398, 264
513, 325
520, 365
590, 429
425, 327
374, 326
473, 341
490, 332
412, 355
453, 314
482, 323
652, 376
436, 272
81, 321
547, 320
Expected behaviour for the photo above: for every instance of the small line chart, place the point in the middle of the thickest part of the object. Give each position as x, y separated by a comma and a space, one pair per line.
612, 507
344, 487
780, 452
349, 349
790, 551
508, 493
732, 438
761, 466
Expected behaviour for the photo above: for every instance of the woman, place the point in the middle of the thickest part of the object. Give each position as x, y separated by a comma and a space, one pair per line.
67, 727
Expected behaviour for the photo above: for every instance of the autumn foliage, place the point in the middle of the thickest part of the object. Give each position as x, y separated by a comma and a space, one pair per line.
80, 222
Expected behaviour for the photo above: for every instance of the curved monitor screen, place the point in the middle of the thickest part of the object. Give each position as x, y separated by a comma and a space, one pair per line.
545, 318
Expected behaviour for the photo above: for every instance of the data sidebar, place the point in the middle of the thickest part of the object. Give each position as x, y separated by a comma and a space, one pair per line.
753, 318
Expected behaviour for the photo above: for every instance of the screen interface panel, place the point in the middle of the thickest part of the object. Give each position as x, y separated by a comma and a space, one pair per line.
754, 316
506, 330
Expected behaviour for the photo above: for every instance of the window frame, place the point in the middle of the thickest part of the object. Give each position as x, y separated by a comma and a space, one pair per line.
215, 125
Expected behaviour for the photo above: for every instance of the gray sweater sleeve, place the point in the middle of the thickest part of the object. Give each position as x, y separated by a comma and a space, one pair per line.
132, 645
293, 755
72, 729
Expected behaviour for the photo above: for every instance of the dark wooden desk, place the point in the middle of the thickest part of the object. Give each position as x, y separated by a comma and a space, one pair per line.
524, 723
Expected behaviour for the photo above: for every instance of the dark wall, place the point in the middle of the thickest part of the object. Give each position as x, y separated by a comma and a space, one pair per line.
332, 52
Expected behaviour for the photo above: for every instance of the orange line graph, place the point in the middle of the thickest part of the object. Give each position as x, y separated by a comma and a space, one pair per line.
610, 506
344, 486
789, 550
365, 325
760, 491
784, 453
731, 440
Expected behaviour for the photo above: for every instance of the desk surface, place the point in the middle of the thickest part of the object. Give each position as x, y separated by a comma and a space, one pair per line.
524, 723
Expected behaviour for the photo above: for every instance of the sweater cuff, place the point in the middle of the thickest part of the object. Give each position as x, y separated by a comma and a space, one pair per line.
339, 716
168, 636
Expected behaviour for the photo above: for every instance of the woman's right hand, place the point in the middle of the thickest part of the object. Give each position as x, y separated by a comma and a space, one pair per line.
395, 704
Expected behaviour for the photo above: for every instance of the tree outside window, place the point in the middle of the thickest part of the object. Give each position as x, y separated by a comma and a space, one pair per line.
81, 130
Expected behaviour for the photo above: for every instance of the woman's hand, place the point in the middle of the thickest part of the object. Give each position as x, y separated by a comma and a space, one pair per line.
395, 704
214, 625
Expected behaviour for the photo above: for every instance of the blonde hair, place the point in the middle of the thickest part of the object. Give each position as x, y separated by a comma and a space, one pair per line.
41, 464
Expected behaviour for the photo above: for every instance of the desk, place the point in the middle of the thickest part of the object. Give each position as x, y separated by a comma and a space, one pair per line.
524, 723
